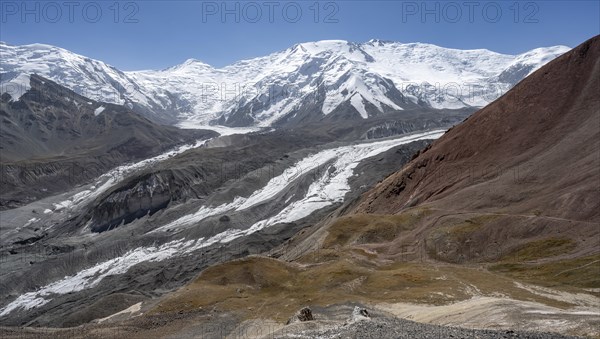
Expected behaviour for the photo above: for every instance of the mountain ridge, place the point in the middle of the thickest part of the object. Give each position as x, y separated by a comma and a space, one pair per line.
373, 77
53, 139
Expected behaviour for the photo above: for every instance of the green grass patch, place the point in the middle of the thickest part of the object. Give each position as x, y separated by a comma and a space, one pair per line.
371, 228
538, 249
581, 272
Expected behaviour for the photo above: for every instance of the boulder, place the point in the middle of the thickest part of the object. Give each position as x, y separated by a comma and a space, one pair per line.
305, 314
359, 314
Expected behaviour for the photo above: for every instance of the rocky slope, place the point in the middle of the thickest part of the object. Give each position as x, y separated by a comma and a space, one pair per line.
228, 198
535, 177
538, 142
53, 139
304, 82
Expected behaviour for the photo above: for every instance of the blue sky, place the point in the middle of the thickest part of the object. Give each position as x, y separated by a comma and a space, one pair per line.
134, 35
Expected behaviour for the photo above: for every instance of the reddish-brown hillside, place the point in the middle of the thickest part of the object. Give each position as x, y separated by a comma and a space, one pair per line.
535, 150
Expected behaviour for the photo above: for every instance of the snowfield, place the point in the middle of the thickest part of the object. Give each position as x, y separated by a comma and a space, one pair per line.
373, 77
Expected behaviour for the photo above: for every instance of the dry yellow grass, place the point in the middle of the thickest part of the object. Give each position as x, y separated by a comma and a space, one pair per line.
277, 289
543, 248
370, 228
580, 272
344, 270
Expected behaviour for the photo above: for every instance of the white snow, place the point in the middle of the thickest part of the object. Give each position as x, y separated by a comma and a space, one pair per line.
272, 188
99, 110
329, 189
272, 86
16, 87
107, 180
222, 130
129, 310
31, 221
333, 186
62, 205
92, 276
357, 102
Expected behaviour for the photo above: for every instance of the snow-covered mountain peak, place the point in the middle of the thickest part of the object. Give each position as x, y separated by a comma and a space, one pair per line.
378, 42
189, 66
195, 63
317, 77
330, 49
86, 76
316, 47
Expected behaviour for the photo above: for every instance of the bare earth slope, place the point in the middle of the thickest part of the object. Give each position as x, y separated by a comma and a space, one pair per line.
533, 150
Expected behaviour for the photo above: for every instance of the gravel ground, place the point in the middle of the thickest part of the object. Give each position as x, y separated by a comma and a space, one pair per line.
399, 328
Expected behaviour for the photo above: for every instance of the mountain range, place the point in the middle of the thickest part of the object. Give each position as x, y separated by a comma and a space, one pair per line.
340, 189
303, 83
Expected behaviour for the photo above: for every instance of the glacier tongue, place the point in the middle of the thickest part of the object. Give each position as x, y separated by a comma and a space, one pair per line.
330, 188
327, 189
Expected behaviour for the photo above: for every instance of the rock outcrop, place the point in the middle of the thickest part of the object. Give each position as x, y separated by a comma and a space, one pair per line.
305, 314
359, 314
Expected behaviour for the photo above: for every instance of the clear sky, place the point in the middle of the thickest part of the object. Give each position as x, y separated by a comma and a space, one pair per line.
133, 35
